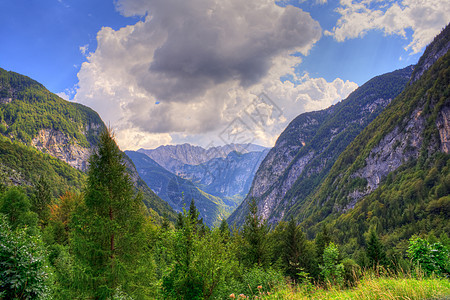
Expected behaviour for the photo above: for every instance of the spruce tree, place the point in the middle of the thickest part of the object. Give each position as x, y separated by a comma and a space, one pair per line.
296, 254
375, 250
322, 241
108, 238
41, 200
255, 229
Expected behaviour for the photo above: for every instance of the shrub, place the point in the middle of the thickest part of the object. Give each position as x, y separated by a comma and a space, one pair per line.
431, 258
23, 269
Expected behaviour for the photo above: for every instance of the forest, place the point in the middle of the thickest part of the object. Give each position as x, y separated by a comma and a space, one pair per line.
101, 242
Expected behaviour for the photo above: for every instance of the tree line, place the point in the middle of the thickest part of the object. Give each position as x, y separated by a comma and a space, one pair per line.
103, 244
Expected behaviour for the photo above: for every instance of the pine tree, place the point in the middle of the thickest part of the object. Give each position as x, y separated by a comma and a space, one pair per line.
41, 200
109, 226
256, 249
322, 241
193, 212
297, 256
375, 250
224, 230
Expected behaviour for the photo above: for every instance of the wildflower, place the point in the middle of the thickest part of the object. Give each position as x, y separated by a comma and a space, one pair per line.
259, 287
242, 296
232, 296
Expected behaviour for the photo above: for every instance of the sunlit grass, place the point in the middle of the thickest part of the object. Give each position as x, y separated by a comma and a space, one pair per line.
370, 287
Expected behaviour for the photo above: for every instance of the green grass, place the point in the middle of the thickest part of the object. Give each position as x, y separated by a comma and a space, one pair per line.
369, 287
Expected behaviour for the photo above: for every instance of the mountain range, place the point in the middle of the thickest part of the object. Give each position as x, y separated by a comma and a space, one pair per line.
218, 178
379, 159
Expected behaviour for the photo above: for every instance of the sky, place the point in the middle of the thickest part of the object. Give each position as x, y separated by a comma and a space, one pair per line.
210, 72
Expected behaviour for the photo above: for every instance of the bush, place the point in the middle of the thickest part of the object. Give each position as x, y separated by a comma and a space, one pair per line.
431, 258
23, 270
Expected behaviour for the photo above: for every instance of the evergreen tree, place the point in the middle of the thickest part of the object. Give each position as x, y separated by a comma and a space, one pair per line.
297, 253
375, 250
224, 230
255, 229
109, 226
41, 200
322, 241
193, 212
180, 221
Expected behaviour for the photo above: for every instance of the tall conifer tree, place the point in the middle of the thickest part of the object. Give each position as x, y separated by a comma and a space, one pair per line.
109, 226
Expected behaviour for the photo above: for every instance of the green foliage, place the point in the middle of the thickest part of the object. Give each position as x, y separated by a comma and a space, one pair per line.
34, 108
431, 258
25, 165
15, 205
24, 273
375, 250
255, 249
41, 200
332, 270
109, 237
298, 254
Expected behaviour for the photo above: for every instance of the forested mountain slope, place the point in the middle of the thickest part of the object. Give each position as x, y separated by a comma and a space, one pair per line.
32, 118
307, 149
396, 174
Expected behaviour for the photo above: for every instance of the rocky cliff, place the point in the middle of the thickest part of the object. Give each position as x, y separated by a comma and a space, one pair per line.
307, 149
174, 157
34, 116
394, 176
33, 119
413, 130
228, 177
177, 191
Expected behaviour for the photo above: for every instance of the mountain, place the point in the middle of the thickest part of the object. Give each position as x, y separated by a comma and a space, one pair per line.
217, 178
395, 175
174, 157
178, 192
307, 149
44, 134
229, 178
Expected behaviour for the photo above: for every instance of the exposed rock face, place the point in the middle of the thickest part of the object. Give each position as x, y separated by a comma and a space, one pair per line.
174, 157
443, 125
297, 134
178, 192
305, 152
438, 48
225, 177
58, 145
395, 149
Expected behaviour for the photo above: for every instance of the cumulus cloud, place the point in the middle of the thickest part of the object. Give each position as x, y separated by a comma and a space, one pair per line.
189, 69
425, 18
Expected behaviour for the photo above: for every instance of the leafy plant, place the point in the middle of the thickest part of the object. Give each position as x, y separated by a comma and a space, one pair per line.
431, 258
24, 273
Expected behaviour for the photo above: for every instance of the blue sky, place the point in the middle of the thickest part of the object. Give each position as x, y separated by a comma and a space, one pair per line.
184, 71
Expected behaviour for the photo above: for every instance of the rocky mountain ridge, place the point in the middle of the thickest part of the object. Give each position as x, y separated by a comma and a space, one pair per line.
307, 149
174, 157
177, 191
217, 186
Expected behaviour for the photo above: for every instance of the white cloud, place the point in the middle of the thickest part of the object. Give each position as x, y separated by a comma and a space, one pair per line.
84, 49
205, 62
425, 18
63, 95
